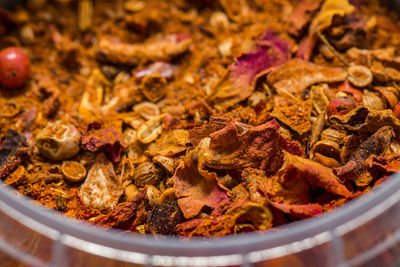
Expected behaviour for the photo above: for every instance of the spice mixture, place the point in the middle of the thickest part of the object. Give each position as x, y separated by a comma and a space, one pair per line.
198, 118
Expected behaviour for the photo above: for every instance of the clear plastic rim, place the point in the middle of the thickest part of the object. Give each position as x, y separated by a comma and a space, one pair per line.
55, 225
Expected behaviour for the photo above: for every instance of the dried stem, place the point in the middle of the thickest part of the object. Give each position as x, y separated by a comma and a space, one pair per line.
333, 50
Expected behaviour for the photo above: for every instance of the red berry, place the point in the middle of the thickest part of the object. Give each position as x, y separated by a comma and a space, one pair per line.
14, 67
341, 106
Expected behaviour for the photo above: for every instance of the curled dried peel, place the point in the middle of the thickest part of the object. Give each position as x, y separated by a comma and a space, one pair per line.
366, 121
374, 145
296, 75
227, 219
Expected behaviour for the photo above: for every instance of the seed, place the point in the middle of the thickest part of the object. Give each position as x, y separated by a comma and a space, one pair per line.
152, 195
73, 171
150, 130
147, 110
131, 191
164, 162
147, 173
359, 76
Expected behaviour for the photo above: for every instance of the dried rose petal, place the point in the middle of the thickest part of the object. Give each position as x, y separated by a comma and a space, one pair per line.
107, 139
196, 187
300, 211
239, 82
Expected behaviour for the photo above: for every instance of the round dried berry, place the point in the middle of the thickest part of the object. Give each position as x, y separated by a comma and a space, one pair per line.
14, 67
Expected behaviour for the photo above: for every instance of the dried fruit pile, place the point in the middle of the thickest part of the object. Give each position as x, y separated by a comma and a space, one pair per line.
198, 118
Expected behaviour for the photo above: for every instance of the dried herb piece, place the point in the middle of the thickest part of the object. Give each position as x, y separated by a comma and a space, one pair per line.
13, 150
296, 117
374, 145
163, 218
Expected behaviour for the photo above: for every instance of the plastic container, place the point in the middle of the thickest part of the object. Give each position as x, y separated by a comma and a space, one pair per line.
364, 232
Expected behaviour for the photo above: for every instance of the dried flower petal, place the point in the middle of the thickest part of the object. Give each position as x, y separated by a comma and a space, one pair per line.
314, 173
300, 211
239, 82
234, 215
196, 187
107, 139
